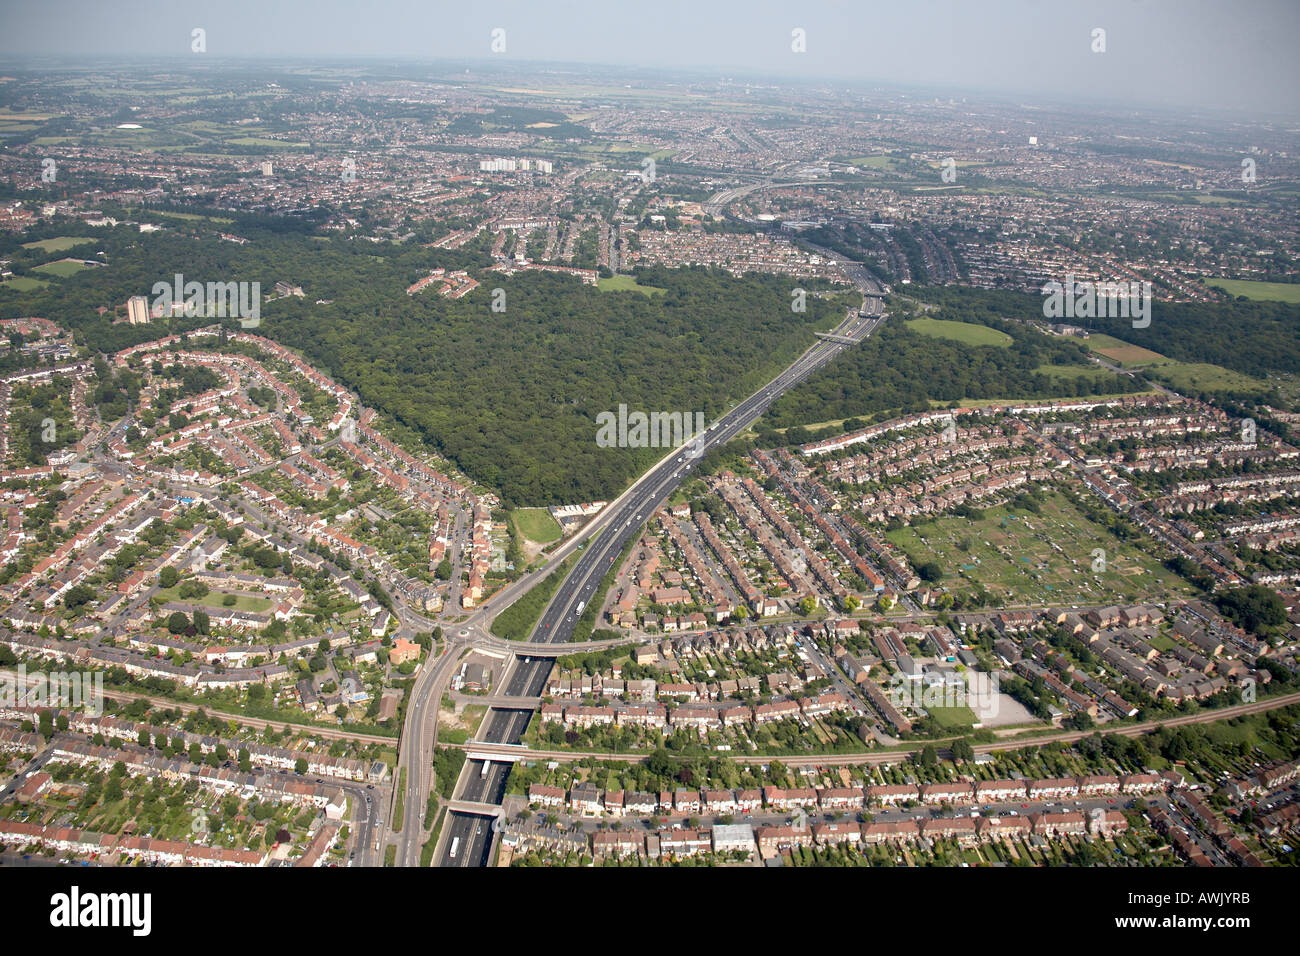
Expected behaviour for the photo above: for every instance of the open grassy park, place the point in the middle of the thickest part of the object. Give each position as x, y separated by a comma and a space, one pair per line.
216, 599
953, 719
23, 284
1187, 377
877, 162
1026, 559
58, 243
1195, 377
626, 284
968, 333
1253, 289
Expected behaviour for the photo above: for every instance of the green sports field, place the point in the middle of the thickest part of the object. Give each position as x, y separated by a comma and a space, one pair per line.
61, 268
537, 525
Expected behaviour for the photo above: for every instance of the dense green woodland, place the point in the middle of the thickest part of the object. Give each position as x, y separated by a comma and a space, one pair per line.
511, 397
1253, 338
898, 369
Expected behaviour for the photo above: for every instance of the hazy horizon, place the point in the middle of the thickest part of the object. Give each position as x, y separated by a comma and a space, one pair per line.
1196, 54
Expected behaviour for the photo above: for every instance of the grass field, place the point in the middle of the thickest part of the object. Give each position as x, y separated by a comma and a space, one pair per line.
195, 217
626, 284
23, 284
1121, 352
537, 525
952, 718
967, 333
58, 243
1073, 371
61, 268
1038, 559
875, 162
263, 141
1181, 376
243, 602
1200, 377
26, 116
1025, 399
1253, 289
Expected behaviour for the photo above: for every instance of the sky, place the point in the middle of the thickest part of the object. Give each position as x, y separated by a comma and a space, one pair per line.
1227, 55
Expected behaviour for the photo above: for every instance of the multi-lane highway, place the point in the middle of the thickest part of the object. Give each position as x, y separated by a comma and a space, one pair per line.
579, 588
471, 833
416, 755
468, 837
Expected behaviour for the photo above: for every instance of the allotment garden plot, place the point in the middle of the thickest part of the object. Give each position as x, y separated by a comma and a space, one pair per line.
1036, 559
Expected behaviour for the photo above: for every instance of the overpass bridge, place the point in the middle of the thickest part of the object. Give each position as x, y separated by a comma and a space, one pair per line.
478, 809
537, 649
507, 701
842, 339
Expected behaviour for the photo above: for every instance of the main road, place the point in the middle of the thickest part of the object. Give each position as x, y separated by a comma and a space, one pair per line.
470, 835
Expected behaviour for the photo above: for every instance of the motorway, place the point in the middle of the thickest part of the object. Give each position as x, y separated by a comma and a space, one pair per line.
415, 753
471, 834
